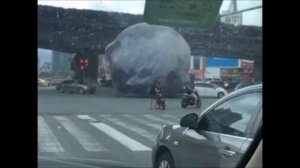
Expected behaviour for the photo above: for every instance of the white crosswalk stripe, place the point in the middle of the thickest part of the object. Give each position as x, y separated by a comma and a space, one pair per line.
121, 138
143, 121
171, 117
140, 131
155, 118
87, 142
134, 127
46, 138
86, 117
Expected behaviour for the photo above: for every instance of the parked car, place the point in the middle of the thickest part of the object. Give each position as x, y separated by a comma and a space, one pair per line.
73, 86
43, 82
218, 137
219, 83
209, 89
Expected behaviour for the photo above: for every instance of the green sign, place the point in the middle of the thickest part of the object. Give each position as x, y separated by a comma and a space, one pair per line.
185, 13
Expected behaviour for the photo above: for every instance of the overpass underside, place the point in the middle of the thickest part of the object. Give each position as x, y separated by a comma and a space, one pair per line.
89, 32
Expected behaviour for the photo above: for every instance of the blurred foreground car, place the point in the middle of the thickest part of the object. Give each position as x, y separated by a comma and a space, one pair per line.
72, 86
218, 137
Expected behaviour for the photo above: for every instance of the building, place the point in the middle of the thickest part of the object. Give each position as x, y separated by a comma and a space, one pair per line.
46, 68
38, 64
235, 19
216, 68
61, 63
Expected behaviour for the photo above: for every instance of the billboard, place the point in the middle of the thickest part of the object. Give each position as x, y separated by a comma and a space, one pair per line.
247, 64
221, 62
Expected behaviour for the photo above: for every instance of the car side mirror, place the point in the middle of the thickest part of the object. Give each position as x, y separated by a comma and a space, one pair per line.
189, 120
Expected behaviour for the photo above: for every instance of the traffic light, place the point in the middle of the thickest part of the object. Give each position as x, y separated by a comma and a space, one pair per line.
84, 62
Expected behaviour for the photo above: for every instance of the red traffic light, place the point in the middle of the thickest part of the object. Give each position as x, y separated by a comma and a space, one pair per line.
83, 63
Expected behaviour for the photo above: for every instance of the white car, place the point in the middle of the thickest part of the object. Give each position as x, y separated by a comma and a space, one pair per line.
209, 89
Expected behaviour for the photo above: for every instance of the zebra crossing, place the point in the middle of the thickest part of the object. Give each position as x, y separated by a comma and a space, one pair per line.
98, 134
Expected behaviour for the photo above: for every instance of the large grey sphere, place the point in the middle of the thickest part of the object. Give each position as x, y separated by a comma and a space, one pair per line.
143, 53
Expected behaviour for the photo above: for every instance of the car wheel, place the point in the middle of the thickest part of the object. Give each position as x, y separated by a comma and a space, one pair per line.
60, 90
80, 91
165, 161
220, 95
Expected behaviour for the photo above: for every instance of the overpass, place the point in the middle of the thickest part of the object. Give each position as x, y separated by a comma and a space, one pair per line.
89, 32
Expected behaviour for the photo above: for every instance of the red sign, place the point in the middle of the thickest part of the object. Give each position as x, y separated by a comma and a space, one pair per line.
247, 64
194, 71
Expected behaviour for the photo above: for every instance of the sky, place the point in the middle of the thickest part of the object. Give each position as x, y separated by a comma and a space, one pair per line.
137, 7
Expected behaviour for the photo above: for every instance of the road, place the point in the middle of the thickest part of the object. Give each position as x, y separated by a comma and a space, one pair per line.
103, 126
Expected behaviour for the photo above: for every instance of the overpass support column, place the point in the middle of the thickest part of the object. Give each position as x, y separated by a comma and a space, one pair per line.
258, 70
91, 73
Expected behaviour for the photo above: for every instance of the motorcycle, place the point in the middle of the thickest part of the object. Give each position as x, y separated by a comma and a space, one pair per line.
161, 101
189, 100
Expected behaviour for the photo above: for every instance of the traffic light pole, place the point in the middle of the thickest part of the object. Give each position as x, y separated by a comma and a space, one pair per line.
83, 75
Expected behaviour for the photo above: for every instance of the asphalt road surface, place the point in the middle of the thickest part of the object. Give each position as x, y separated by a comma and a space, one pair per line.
104, 126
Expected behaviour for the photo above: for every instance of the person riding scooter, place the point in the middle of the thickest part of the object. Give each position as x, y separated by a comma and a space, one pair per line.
191, 97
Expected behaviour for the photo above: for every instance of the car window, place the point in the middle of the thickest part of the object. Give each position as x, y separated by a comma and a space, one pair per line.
234, 116
208, 85
205, 85
212, 85
198, 84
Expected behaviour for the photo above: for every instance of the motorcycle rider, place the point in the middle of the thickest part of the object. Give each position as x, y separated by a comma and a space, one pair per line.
191, 92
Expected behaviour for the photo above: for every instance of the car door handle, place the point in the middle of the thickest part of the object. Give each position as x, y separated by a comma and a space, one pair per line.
227, 153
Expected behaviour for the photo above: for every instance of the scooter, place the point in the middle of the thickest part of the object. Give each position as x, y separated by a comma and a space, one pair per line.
189, 100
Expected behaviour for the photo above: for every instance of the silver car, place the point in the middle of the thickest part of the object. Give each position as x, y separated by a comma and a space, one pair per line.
218, 137
72, 86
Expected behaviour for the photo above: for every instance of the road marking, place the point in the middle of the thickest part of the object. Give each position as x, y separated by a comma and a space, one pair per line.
86, 117
46, 138
171, 117
154, 118
120, 137
143, 121
87, 142
131, 127
68, 162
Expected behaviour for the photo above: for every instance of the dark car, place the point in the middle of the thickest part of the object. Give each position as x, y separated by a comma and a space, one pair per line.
73, 86
218, 137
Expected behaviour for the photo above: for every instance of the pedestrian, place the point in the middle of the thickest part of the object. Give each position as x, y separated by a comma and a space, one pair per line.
154, 89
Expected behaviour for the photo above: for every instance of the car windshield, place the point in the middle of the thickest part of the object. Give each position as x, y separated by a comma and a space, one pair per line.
111, 74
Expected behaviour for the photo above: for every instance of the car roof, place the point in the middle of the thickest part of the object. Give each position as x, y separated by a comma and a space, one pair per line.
199, 82
206, 83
